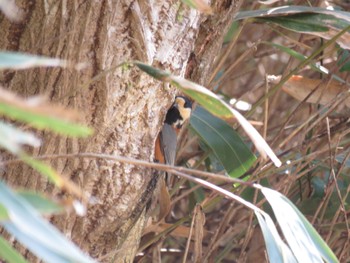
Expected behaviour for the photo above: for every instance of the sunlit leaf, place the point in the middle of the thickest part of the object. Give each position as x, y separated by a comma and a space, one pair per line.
227, 145
41, 115
277, 250
12, 138
3, 213
11, 11
15, 60
303, 23
300, 87
9, 254
35, 233
302, 238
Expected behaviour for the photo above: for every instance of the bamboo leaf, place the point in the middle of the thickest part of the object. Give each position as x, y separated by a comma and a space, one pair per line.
43, 205
12, 138
302, 238
35, 233
9, 254
320, 22
44, 169
277, 250
41, 115
40, 203
227, 145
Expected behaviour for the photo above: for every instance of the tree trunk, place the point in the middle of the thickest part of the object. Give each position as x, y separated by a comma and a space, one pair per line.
124, 106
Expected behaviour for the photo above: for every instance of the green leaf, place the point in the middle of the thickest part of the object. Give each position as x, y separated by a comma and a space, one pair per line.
233, 30
306, 244
290, 10
320, 22
9, 254
227, 145
344, 60
16, 60
44, 169
44, 121
300, 23
152, 71
39, 203
300, 57
35, 233
3, 213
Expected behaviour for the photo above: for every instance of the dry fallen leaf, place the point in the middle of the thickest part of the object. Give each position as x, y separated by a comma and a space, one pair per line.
198, 233
300, 87
164, 200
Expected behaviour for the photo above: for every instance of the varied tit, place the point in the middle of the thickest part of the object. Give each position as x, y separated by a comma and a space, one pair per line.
179, 112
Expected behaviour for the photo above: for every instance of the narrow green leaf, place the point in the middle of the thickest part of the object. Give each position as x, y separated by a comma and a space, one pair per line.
16, 60
3, 213
320, 22
209, 102
44, 169
45, 121
289, 10
302, 238
233, 30
9, 254
227, 145
344, 60
301, 57
152, 71
299, 23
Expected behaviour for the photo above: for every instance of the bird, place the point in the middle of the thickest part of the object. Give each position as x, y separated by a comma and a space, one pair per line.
166, 142
165, 146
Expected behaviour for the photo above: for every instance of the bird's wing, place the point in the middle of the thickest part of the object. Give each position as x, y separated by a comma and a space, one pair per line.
168, 142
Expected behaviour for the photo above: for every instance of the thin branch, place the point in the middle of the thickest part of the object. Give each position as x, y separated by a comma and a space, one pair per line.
158, 166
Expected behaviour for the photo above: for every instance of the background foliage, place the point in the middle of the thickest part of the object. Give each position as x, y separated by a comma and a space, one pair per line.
309, 134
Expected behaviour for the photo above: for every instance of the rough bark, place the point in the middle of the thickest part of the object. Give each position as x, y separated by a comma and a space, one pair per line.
125, 107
